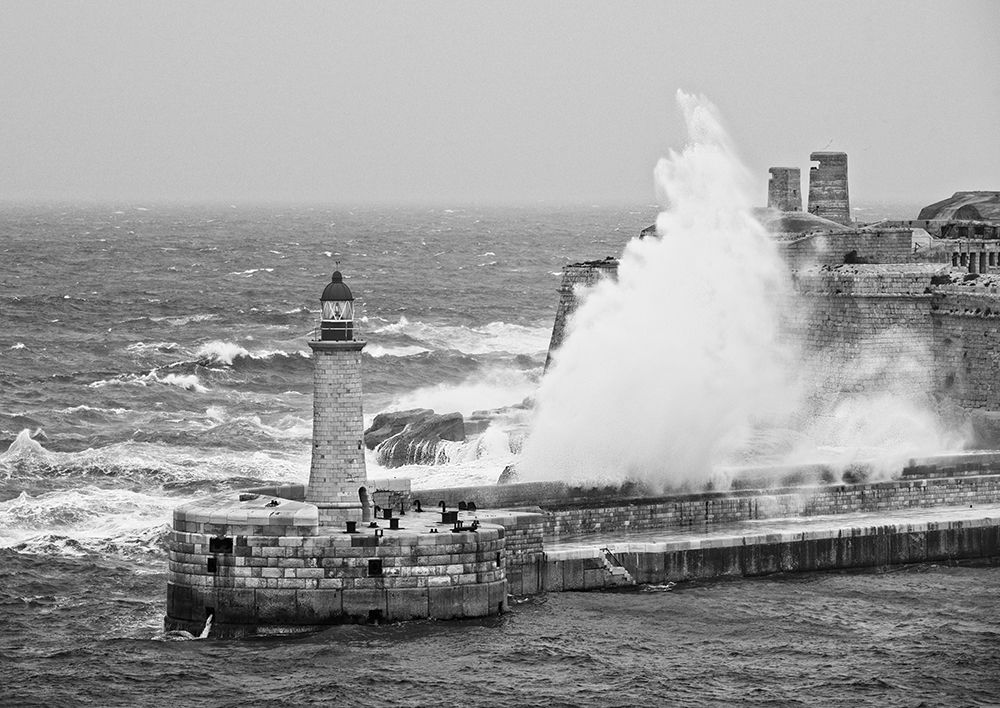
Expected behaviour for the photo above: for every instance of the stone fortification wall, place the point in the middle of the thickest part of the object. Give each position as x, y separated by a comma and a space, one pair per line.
702, 512
784, 188
974, 255
524, 549
966, 328
575, 278
865, 328
860, 246
828, 193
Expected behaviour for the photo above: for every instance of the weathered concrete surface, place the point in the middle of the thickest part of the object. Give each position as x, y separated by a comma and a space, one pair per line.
794, 545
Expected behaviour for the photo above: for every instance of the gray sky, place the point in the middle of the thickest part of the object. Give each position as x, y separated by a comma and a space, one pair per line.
456, 102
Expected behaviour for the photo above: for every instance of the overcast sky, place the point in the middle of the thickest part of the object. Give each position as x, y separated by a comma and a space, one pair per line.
458, 102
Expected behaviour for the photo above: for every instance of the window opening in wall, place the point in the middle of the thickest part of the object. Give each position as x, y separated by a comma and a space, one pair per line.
374, 567
212, 565
221, 544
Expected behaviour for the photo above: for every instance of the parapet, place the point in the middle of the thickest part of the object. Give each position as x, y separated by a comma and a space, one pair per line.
828, 194
784, 189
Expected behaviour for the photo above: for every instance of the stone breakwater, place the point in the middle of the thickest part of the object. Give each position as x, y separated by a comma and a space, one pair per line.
851, 541
263, 564
581, 529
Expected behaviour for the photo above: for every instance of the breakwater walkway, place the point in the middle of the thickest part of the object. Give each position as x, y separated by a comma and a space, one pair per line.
758, 547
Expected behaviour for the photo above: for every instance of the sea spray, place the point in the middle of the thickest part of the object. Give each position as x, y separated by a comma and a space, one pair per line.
665, 371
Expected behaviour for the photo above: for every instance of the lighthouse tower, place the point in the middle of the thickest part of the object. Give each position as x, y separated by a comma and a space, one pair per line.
337, 477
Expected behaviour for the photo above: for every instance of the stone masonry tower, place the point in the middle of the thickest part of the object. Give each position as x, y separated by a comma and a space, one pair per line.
337, 477
828, 187
784, 190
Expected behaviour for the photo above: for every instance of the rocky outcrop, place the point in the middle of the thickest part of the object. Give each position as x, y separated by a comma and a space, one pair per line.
509, 475
412, 437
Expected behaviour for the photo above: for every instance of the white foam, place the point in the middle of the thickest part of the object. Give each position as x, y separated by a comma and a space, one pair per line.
95, 409
489, 338
189, 382
24, 447
182, 320
148, 347
221, 352
663, 371
497, 388
86, 514
252, 271
378, 351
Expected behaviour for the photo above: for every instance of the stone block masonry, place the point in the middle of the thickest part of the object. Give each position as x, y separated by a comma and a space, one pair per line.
337, 472
259, 568
856, 246
576, 278
828, 193
784, 188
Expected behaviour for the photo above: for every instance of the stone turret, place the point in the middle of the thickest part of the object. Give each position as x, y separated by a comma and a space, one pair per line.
337, 476
784, 190
828, 195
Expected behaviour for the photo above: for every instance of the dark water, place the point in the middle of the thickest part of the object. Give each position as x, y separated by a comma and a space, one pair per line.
152, 355
80, 633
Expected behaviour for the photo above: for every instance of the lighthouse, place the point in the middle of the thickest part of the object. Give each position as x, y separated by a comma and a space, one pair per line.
337, 476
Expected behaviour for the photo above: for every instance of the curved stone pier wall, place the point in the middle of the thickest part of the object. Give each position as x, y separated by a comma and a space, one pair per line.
259, 569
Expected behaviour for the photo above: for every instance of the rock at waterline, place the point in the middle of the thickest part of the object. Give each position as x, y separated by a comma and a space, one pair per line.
509, 475
411, 437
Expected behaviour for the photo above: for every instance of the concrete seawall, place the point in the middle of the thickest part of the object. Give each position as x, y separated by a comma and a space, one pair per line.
833, 544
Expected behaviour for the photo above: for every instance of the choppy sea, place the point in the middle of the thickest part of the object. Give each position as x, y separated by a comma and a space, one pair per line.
152, 354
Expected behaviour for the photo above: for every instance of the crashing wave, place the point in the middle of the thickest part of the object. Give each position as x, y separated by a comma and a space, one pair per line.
188, 382
230, 353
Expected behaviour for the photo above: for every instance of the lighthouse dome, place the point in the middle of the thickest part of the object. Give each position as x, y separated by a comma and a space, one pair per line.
337, 289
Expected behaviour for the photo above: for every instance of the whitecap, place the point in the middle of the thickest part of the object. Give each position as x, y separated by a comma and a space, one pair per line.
188, 382
94, 409
221, 352
252, 271
379, 351
490, 338
181, 320
24, 447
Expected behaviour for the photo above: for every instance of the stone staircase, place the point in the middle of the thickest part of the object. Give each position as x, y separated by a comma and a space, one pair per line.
616, 575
